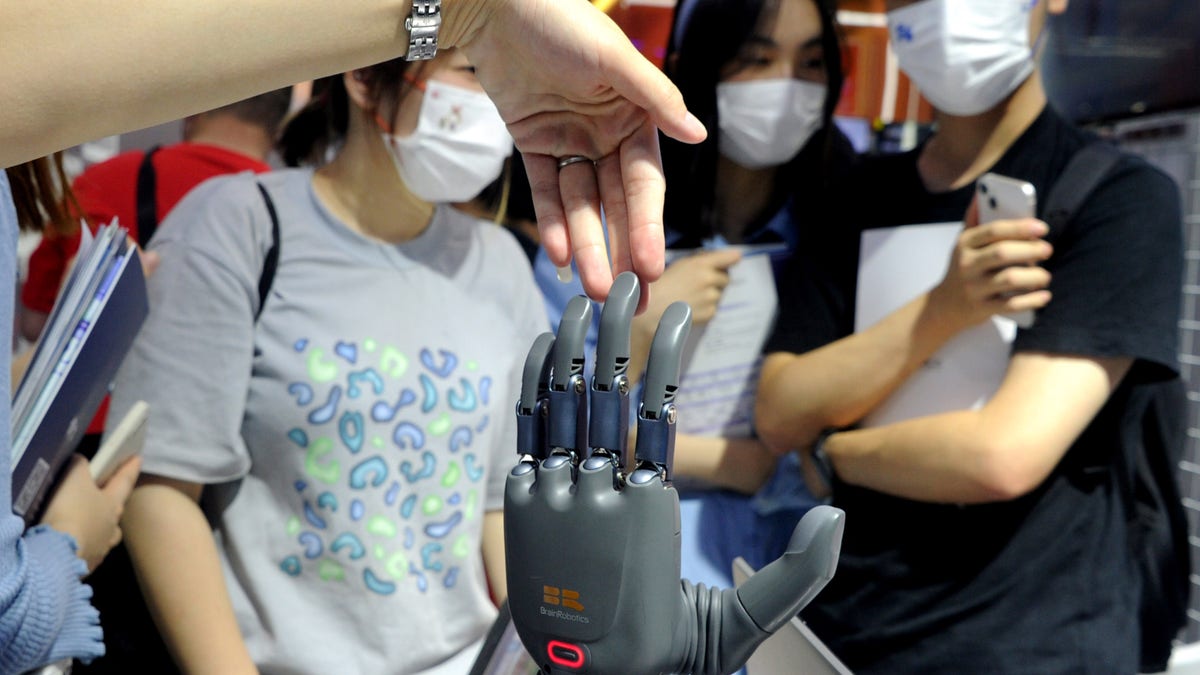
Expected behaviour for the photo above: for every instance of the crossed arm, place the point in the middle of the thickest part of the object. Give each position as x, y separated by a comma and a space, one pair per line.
997, 452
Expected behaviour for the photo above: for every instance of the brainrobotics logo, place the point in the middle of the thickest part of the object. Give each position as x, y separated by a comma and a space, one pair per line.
553, 595
563, 597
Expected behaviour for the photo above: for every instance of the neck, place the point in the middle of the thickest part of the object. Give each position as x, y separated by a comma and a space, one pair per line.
964, 148
742, 195
362, 188
235, 135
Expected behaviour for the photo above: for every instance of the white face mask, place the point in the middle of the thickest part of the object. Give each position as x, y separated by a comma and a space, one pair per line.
766, 122
458, 147
964, 55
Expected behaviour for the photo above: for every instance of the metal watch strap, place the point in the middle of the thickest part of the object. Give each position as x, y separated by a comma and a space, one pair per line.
422, 26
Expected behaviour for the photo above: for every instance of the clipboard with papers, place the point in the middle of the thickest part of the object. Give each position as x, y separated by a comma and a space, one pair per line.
722, 359
896, 265
99, 311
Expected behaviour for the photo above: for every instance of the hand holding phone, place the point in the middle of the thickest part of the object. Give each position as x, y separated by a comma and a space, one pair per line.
1003, 198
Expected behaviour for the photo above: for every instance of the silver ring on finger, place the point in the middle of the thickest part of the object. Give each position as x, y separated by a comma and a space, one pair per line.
564, 162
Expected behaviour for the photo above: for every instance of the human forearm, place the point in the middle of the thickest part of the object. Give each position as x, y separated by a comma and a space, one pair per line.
493, 554
742, 464
178, 568
942, 458
998, 452
202, 55
836, 385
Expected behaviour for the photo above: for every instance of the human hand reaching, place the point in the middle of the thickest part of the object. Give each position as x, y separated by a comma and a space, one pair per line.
569, 83
994, 269
88, 512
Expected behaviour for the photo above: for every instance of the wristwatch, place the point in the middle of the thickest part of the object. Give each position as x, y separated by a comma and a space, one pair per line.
422, 26
821, 459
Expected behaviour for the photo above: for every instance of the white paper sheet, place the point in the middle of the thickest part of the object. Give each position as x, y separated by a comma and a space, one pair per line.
722, 359
896, 265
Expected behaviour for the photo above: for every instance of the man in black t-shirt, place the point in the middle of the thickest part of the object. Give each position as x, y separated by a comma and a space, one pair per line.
987, 540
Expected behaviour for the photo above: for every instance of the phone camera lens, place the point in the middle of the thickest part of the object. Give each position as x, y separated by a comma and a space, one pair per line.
992, 202
983, 188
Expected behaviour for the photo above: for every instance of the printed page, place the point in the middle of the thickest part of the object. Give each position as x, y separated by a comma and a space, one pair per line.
896, 265
722, 359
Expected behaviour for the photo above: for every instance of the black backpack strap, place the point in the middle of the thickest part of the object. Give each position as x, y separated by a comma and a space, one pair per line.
1082, 175
1158, 525
147, 198
272, 260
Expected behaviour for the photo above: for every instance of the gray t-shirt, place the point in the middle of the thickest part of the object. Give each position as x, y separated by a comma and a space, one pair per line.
355, 435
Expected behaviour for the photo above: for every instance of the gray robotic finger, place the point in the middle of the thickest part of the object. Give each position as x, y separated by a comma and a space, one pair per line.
532, 406
655, 447
608, 428
566, 430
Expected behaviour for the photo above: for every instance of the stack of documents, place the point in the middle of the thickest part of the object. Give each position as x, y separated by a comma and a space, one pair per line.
98, 314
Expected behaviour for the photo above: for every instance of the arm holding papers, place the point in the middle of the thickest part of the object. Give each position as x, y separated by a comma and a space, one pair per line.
839, 384
97, 314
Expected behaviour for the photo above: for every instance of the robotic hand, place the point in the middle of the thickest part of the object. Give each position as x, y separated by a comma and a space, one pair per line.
592, 534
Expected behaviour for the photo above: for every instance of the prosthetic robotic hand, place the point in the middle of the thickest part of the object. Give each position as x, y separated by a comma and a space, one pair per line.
592, 534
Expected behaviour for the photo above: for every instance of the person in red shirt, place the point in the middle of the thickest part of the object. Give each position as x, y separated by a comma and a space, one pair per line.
234, 138
237, 137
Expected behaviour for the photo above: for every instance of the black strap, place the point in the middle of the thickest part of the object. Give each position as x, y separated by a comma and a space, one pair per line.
147, 198
272, 260
1082, 175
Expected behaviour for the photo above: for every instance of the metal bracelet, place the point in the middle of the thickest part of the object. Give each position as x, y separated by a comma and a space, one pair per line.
423, 26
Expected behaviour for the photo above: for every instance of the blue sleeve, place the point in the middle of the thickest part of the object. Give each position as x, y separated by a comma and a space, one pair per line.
45, 613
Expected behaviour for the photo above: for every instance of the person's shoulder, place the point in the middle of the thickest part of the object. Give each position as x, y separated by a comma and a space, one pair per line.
1134, 170
232, 204
1134, 181
494, 240
225, 192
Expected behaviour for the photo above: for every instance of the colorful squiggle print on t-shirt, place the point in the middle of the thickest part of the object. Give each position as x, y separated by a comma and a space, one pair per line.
391, 470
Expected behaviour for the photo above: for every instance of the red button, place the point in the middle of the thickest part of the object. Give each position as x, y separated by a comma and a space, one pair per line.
565, 654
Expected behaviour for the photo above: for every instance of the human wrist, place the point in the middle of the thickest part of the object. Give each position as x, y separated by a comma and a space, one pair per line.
423, 25
821, 462
939, 318
461, 20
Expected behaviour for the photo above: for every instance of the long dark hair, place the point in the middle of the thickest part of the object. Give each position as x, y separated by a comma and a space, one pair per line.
321, 125
42, 194
707, 35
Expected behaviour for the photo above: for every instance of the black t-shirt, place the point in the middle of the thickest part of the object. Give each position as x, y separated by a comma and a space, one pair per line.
1043, 583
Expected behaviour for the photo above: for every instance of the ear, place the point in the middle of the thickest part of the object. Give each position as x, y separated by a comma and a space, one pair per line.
1056, 6
358, 90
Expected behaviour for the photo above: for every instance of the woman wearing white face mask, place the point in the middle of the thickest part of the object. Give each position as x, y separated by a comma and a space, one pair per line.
991, 538
351, 433
766, 76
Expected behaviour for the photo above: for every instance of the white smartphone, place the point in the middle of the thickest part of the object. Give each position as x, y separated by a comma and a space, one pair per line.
121, 443
1003, 198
